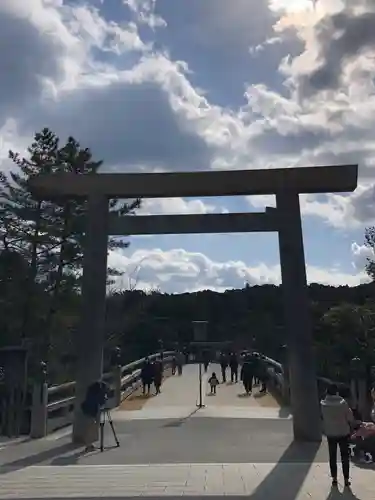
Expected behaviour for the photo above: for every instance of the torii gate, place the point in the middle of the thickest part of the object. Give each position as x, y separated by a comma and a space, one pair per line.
286, 184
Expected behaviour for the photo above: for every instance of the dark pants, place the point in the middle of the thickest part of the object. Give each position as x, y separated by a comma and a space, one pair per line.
213, 389
248, 384
157, 383
234, 373
179, 369
206, 363
264, 386
224, 373
343, 443
146, 384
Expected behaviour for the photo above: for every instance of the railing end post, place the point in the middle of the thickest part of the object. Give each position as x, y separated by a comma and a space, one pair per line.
39, 410
117, 376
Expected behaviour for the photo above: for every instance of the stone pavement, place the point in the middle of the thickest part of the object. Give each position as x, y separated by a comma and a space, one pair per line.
236, 446
258, 481
180, 396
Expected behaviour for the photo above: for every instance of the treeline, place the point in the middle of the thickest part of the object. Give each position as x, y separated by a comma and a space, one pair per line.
343, 319
41, 252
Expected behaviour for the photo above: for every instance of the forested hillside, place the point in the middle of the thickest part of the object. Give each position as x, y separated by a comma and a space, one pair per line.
41, 251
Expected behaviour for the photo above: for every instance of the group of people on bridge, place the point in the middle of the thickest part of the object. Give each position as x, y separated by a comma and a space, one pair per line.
249, 367
152, 373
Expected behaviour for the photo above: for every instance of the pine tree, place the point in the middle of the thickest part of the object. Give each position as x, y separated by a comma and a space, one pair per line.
49, 236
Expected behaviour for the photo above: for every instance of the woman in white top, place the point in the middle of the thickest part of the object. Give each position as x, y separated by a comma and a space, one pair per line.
337, 421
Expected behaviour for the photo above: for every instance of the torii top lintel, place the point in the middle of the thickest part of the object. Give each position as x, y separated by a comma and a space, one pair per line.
327, 179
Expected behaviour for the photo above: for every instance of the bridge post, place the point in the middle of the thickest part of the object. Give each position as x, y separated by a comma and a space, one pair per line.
117, 375
303, 383
39, 409
90, 340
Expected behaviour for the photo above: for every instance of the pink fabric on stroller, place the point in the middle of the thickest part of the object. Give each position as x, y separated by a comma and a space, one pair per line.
362, 442
366, 429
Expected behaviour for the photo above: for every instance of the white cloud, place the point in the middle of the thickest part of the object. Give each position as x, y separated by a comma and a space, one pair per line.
326, 113
138, 108
178, 271
169, 206
144, 12
336, 210
360, 255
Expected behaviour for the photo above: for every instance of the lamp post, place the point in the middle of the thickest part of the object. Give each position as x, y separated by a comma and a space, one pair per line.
200, 335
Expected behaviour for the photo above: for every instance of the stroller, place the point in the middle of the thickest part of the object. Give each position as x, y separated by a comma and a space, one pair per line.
362, 442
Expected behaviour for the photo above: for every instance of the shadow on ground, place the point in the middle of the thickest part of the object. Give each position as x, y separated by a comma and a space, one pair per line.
38, 458
180, 421
142, 397
284, 411
337, 495
280, 484
259, 395
333, 495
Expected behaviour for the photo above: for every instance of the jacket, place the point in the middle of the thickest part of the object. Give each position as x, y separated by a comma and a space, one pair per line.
247, 371
96, 396
337, 416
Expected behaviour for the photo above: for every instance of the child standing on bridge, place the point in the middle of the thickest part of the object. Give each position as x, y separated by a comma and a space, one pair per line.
214, 382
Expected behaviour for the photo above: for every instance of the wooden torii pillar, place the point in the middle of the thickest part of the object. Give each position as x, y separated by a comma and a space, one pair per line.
286, 184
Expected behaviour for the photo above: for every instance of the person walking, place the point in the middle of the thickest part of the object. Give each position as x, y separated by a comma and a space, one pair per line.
206, 360
260, 372
180, 362
263, 375
337, 421
247, 374
158, 374
213, 382
233, 364
146, 376
223, 366
174, 365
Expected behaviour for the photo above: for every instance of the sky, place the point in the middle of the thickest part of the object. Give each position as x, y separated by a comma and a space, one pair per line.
177, 85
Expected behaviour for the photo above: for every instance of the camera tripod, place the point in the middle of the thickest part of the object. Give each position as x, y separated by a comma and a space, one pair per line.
105, 416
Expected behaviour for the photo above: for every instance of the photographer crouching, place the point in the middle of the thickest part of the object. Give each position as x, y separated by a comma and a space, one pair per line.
95, 399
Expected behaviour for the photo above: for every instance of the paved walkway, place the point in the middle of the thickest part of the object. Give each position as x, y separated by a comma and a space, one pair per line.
235, 446
180, 397
258, 481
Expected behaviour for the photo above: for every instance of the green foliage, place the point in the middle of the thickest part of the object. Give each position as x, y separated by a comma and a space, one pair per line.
350, 332
370, 243
48, 238
249, 317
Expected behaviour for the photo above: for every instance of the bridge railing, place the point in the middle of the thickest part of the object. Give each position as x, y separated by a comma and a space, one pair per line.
53, 406
278, 381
